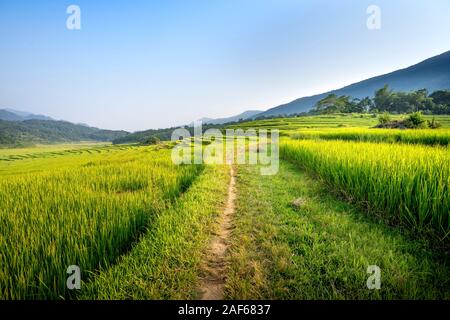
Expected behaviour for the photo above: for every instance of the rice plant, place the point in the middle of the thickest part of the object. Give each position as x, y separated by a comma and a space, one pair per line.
85, 215
423, 136
405, 183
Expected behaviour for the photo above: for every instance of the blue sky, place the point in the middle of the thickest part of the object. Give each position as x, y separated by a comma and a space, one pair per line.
149, 64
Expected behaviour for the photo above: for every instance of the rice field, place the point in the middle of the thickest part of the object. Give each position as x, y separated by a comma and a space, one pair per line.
424, 136
85, 213
404, 183
329, 121
139, 226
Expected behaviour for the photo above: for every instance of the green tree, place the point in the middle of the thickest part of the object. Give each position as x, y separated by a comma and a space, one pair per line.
383, 99
334, 104
365, 105
441, 97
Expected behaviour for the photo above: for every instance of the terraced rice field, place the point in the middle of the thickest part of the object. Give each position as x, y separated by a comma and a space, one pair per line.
425, 137
405, 183
329, 121
87, 211
141, 227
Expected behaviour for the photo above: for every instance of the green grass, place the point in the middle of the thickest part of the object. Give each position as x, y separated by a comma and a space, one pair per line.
401, 183
79, 209
51, 148
323, 249
139, 226
424, 136
165, 263
328, 121
40, 159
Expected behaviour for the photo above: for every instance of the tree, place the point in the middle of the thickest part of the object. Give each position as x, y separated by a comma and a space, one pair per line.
365, 105
383, 99
334, 104
152, 140
401, 102
326, 104
421, 101
387, 100
441, 97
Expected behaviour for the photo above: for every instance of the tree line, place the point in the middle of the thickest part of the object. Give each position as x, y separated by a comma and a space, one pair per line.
387, 100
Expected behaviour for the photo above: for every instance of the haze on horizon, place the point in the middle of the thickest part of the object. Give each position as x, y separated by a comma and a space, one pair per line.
166, 63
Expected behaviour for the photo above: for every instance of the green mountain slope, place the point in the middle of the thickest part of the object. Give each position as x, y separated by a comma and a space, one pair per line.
28, 132
432, 74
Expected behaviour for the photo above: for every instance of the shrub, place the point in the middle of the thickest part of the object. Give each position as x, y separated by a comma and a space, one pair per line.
433, 124
416, 120
384, 118
151, 140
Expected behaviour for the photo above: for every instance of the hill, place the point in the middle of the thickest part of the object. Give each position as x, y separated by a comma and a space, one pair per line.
9, 114
28, 132
246, 115
161, 134
432, 74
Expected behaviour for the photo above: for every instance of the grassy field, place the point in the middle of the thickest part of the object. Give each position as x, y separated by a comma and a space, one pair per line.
426, 137
165, 264
322, 249
4, 152
401, 183
140, 227
329, 121
86, 212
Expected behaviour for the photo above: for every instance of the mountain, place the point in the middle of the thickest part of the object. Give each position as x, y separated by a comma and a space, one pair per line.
9, 114
29, 132
246, 115
162, 134
432, 74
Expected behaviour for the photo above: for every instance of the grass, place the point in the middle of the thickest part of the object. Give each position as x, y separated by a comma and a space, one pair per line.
426, 136
87, 212
139, 226
51, 148
328, 121
40, 159
323, 249
165, 263
403, 183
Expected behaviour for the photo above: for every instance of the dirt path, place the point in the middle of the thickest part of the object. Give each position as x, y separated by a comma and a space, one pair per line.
214, 270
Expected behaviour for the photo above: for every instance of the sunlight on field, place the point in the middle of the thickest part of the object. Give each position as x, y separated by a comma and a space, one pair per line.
50, 148
328, 121
78, 207
408, 184
419, 136
112, 208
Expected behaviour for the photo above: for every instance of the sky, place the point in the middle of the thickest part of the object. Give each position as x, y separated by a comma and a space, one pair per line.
136, 65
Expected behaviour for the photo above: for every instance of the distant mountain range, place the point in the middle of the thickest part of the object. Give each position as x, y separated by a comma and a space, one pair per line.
18, 128
29, 132
242, 116
432, 74
9, 114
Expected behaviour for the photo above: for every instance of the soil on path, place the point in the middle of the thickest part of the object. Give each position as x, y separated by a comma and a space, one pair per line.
214, 270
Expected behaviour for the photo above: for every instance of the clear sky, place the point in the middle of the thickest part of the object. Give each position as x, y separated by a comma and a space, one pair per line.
148, 64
